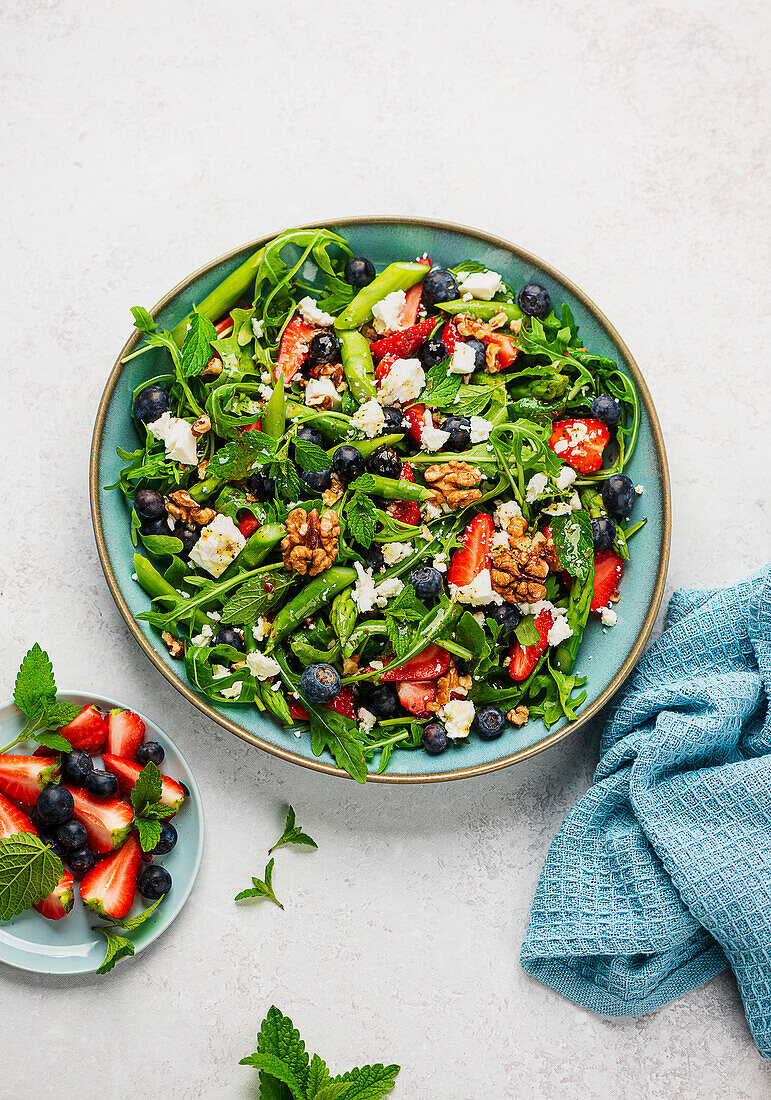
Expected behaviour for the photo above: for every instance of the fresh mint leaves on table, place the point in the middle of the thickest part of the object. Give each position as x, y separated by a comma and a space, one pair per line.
120, 947
147, 806
287, 1072
29, 871
261, 889
292, 834
35, 696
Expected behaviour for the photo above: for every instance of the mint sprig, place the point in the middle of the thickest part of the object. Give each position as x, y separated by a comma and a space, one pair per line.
121, 947
35, 695
147, 806
292, 834
29, 871
261, 888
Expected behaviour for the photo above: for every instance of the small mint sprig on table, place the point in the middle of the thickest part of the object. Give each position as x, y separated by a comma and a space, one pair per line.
29, 871
261, 889
35, 695
292, 834
120, 947
148, 809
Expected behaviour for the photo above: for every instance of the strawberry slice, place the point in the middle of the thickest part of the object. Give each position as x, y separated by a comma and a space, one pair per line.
450, 337
299, 714
109, 888
173, 794
108, 821
60, 900
414, 294
383, 367
415, 697
13, 820
125, 733
523, 659
255, 426
608, 571
247, 523
468, 563
293, 348
431, 663
414, 422
506, 347
580, 443
87, 730
343, 703
406, 511
224, 327
22, 778
404, 343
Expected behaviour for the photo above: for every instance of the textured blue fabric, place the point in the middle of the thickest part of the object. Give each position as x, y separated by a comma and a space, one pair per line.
660, 875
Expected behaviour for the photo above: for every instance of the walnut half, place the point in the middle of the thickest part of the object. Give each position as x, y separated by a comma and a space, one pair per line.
181, 506
175, 647
449, 686
454, 483
311, 542
518, 574
518, 716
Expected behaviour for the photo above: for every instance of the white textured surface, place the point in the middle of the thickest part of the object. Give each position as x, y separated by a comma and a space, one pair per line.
625, 143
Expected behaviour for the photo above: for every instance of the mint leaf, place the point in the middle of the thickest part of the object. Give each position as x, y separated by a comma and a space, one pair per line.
147, 789
59, 714
235, 460
118, 947
53, 741
35, 685
29, 871
278, 1036
332, 1090
253, 599
292, 834
275, 1067
370, 1082
149, 831
140, 918
196, 350
361, 518
403, 609
260, 888
527, 632
309, 456
572, 535
441, 387
318, 1076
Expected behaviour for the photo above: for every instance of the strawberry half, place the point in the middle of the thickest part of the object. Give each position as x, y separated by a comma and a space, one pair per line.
224, 327
523, 659
343, 703
22, 778
293, 348
415, 697
255, 426
414, 294
414, 421
109, 888
87, 730
429, 664
383, 367
107, 820
507, 350
13, 820
59, 901
450, 337
468, 563
580, 443
247, 523
404, 343
173, 794
406, 511
608, 571
125, 733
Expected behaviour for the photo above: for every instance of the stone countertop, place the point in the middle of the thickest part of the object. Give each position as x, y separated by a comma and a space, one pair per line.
625, 144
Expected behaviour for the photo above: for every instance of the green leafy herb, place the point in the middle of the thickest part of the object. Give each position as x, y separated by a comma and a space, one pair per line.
403, 609
441, 387
35, 695
338, 734
196, 350
235, 460
148, 808
120, 947
256, 597
261, 889
526, 631
572, 536
361, 517
292, 834
29, 871
309, 456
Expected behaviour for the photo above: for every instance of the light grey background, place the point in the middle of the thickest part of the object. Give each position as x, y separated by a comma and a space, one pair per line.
625, 143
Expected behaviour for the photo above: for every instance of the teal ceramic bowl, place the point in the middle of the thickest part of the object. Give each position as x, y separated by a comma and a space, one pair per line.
606, 656
70, 945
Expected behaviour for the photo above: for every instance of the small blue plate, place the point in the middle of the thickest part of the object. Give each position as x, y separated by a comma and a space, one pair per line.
70, 945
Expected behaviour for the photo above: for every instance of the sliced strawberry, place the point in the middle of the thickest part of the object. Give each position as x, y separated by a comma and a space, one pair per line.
468, 563
173, 794
450, 337
404, 343
247, 523
343, 703
580, 443
22, 778
13, 820
87, 730
299, 714
414, 294
255, 426
406, 511
109, 888
414, 422
523, 659
608, 571
293, 348
224, 327
59, 901
415, 697
506, 348
407, 474
431, 663
125, 733
383, 367
107, 820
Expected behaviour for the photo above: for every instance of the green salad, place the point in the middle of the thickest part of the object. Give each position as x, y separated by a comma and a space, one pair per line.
380, 506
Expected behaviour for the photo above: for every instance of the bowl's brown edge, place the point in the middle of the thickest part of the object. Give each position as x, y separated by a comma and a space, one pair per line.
318, 765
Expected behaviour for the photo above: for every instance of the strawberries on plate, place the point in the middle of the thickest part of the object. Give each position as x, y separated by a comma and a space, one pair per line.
404, 343
474, 557
431, 663
22, 778
110, 887
608, 571
523, 659
293, 348
125, 733
414, 696
87, 730
173, 794
580, 443
108, 820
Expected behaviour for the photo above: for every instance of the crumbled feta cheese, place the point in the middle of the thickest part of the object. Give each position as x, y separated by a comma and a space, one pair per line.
134, 577
377, 665
260, 630
320, 388
386, 590
639, 489
214, 615
440, 563
560, 631
388, 314
564, 508
500, 540
480, 617
535, 609
311, 313
425, 532
478, 592
480, 429
431, 438
561, 446
506, 512
369, 418
403, 382
608, 616
203, 637
178, 437
535, 487
220, 543
457, 716
482, 285
462, 360
219, 672
260, 666
233, 691
394, 552
432, 511
258, 328
367, 720
363, 593
565, 479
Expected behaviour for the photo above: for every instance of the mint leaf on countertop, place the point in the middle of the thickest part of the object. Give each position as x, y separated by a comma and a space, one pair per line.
292, 834
261, 889
29, 871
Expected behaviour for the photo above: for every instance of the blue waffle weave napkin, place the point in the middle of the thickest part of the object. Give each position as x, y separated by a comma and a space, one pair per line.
660, 875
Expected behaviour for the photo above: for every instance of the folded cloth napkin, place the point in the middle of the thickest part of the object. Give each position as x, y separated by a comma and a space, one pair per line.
660, 875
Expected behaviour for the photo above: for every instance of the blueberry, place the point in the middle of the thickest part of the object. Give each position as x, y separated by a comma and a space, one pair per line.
157, 526
347, 463
228, 635
101, 784
606, 408
359, 272
505, 614
188, 536
385, 462
75, 767
168, 839
151, 403
53, 843
55, 804
317, 480
489, 722
151, 751
603, 533
323, 348
431, 352
261, 486
310, 435
427, 582
149, 503
480, 353
383, 702
37, 820
439, 286
153, 881
459, 428
394, 421
81, 861
72, 834
618, 495
320, 683
373, 557
434, 738
534, 299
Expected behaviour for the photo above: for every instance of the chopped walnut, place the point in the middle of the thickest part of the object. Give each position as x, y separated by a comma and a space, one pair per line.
615, 596
336, 489
518, 716
333, 371
175, 647
454, 483
201, 426
449, 686
351, 665
213, 368
518, 574
517, 527
310, 544
202, 468
181, 506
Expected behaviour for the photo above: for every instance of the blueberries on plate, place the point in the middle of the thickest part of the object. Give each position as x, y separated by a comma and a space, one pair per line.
431, 352
323, 348
149, 503
359, 272
479, 353
394, 421
153, 881
434, 738
318, 481
53, 843
603, 532
37, 820
151, 751
427, 582
80, 861
607, 409
261, 486
310, 435
505, 615
385, 462
75, 767
168, 839
618, 495
383, 702
320, 683
228, 635
55, 805
347, 463
489, 722
439, 286
101, 784
157, 526
534, 299
188, 535
373, 557
72, 834
151, 403
459, 428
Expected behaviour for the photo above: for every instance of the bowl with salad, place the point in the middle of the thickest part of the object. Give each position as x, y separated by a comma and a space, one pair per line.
387, 498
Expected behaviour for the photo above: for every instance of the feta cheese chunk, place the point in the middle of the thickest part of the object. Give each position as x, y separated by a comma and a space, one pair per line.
639, 489
178, 437
258, 328
480, 429
220, 543
432, 511
206, 634
386, 590
560, 631
482, 285
233, 691
478, 592
320, 388
565, 479
394, 552
431, 438
260, 666
388, 314
403, 382
505, 513
363, 593
457, 716
462, 360
261, 630
535, 487
367, 720
440, 563
500, 541
310, 312
608, 616
369, 418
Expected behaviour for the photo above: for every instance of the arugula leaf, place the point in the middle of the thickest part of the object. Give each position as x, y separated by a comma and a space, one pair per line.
235, 460
118, 947
572, 535
29, 870
526, 631
361, 518
333, 731
309, 456
196, 350
155, 337
441, 387
261, 889
471, 635
253, 598
292, 834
